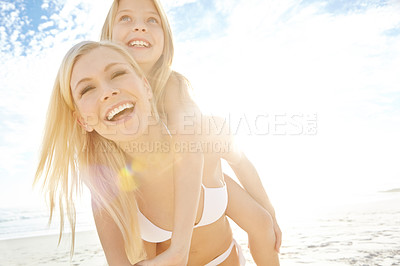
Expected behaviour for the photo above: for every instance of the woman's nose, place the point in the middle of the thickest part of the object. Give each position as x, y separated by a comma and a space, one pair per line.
108, 93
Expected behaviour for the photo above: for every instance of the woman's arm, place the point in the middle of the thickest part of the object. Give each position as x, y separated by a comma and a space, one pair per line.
112, 241
110, 238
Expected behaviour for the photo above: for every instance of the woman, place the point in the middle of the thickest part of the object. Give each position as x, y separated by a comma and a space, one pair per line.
105, 115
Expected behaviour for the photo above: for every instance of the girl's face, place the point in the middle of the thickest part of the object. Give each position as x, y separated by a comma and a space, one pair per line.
110, 97
137, 25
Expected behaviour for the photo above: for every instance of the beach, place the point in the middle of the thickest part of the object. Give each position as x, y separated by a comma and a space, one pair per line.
366, 233
43, 250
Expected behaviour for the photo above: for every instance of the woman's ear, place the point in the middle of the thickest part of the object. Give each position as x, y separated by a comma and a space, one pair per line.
147, 86
82, 122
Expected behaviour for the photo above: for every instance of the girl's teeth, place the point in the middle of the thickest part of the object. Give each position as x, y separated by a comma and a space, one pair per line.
139, 44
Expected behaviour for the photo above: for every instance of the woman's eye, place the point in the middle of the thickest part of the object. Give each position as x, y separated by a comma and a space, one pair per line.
125, 19
152, 20
86, 89
118, 73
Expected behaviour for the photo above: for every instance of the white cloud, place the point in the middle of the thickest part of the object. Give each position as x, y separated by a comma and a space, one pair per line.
6, 6
272, 56
45, 6
170, 4
45, 25
308, 54
280, 56
27, 80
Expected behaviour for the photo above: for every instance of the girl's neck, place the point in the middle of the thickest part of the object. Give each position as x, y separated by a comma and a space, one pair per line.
146, 68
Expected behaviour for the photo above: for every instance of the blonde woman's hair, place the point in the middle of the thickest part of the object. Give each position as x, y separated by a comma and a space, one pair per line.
71, 156
161, 71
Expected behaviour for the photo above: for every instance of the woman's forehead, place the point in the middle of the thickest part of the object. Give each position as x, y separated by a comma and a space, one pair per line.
97, 61
102, 55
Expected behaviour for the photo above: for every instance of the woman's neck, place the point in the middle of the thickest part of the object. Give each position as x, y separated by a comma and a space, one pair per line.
152, 141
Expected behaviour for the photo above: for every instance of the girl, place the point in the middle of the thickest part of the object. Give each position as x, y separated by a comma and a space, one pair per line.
106, 137
142, 27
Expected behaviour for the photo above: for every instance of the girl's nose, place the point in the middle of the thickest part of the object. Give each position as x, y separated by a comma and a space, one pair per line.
139, 26
137, 29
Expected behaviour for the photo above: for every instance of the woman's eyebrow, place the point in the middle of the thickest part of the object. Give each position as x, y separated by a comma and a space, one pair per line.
111, 65
81, 81
107, 67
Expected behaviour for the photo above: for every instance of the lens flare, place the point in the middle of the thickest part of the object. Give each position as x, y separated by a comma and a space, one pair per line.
129, 174
127, 179
137, 166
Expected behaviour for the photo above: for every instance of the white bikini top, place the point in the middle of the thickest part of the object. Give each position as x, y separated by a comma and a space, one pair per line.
215, 203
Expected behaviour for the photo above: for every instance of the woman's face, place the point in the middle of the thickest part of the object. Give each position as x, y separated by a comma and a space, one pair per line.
137, 26
110, 97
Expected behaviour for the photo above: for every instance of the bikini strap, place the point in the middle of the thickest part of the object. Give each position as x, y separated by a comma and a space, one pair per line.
166, 128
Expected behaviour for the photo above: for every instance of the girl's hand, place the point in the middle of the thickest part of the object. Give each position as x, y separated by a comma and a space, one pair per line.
278, 236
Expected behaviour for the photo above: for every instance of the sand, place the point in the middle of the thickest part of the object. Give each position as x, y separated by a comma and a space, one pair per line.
358, 234
43, 250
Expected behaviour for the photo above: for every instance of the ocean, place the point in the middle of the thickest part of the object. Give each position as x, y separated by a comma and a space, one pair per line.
362, 232
28, 222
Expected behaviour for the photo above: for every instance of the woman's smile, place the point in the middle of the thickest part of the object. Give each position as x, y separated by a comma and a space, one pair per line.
120, 111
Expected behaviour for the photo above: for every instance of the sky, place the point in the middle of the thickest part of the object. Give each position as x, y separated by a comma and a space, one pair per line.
310, 88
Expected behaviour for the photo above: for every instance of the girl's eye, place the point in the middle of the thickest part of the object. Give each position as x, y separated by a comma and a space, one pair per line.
118, 73
86, 89
125, 19
152, 20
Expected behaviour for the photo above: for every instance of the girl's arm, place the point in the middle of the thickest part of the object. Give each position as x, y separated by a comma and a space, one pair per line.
256, 221
249, 178
182, 113
246, 173
187, 183
188, 171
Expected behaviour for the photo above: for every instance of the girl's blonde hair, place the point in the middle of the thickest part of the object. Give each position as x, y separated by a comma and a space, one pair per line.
161, 71
70, 156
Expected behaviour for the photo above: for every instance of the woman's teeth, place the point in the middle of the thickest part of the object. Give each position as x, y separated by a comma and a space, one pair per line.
139, 44
118, 110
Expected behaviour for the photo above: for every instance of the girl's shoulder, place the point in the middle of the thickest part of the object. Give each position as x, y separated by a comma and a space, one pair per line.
178, 98
178, 85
